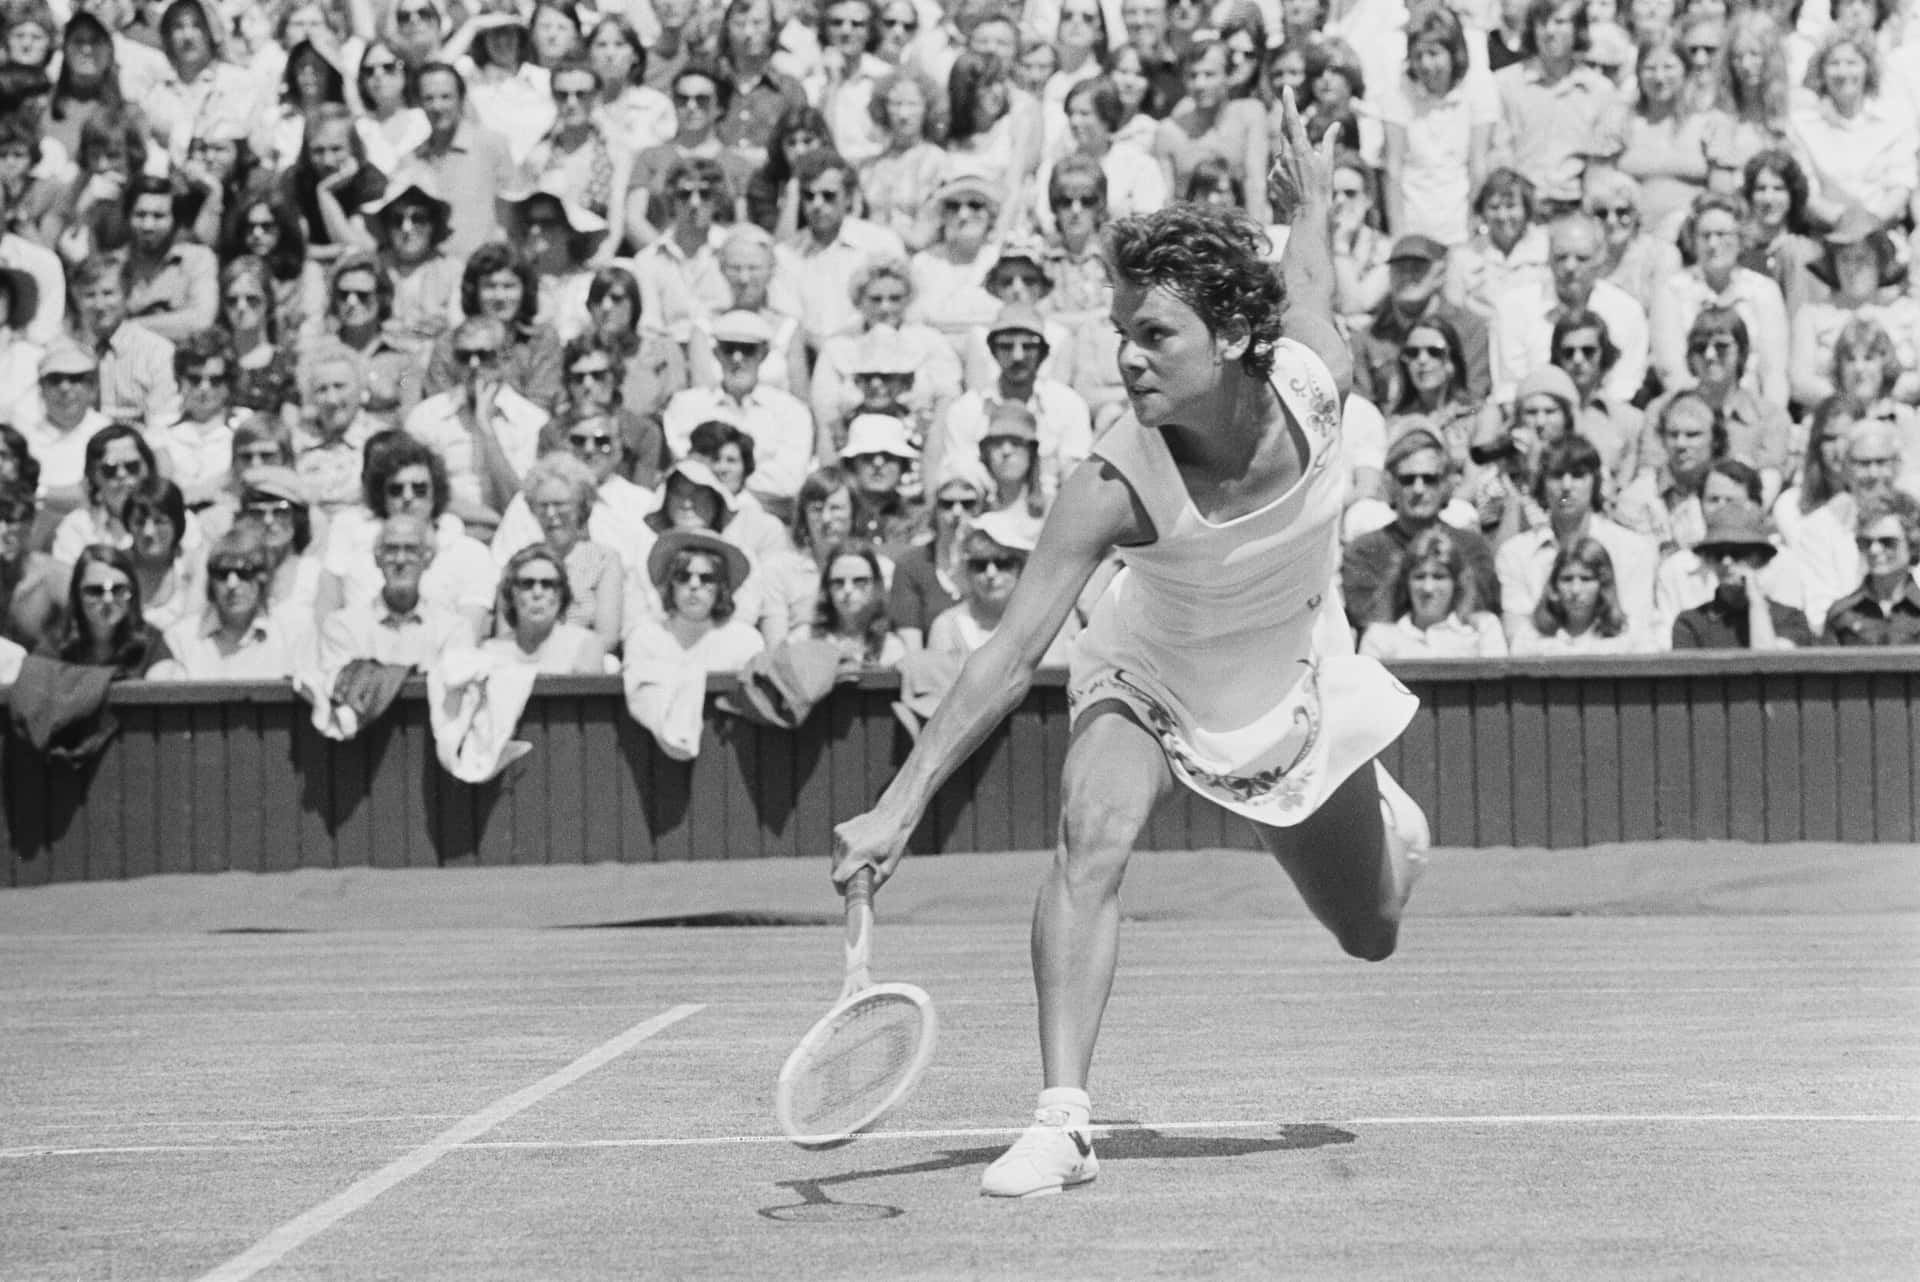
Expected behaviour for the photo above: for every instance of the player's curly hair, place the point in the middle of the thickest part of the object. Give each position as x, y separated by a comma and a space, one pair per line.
1215, 261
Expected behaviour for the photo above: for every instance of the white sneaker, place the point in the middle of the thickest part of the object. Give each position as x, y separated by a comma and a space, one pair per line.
1045, 1159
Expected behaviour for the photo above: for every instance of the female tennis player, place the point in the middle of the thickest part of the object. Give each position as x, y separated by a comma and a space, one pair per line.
1218, 657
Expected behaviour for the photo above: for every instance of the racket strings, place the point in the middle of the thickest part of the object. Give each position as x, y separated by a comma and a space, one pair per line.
855, 1068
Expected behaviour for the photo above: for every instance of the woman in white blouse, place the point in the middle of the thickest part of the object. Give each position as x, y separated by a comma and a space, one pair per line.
1436, 608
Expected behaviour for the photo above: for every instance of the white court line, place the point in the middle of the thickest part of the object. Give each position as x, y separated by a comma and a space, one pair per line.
1262, 1123
289, 1236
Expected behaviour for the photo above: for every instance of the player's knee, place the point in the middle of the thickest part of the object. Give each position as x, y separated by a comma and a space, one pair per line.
1101, 826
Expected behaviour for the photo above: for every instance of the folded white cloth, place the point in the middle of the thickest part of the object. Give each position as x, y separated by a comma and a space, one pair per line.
475, 700
669, 698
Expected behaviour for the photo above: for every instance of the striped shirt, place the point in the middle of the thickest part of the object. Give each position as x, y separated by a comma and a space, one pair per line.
136, 377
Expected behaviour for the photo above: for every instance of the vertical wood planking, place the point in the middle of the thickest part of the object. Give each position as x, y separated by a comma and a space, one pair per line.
1491, 785
389, 786
1672, 760
1782, 778
173, 724
108, 817
568, 780
1819, 759
1746, 760
1527, 706
633, 746
1026, 748
1568, 779
70, 830
213, 797
1892, 758
1450, 787
1707, 723
1421, 770
604, 777
1854, 724
247, 831
312, 768
23, 773
1600, 748
414, 758
1639, 784
138, 748
707, 819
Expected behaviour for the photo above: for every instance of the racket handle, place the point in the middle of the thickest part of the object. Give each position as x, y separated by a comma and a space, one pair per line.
860, 888
859, 930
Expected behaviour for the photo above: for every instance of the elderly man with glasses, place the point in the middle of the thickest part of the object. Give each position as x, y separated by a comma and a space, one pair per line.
397, 626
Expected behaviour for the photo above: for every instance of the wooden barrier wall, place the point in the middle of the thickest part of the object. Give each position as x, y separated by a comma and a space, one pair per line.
1817, 745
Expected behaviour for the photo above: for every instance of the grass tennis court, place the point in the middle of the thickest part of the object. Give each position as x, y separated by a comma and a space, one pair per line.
1513, 1096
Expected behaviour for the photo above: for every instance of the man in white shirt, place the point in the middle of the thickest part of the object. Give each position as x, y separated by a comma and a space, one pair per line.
487, 433
784, 437
136, 364
1522, 333
237, 638
1830, 560
1017, 341
812, 269
197, 447
396, 626
70, 391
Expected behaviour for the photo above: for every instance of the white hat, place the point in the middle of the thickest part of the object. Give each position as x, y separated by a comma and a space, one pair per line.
1015, 531
878, 434
698, 472
743, 327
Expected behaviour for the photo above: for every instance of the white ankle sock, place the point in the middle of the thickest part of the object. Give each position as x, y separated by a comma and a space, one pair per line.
1075, 1101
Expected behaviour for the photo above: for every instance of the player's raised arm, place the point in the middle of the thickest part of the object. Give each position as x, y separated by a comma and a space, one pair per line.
1094, 511
1307, 263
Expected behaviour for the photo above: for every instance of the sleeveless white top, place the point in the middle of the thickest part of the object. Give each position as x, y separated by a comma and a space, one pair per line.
1227, 639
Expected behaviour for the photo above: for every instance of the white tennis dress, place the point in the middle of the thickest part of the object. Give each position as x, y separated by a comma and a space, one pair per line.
1228, 641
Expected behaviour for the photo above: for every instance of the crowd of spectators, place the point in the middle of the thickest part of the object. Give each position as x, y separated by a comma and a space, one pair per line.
343, 330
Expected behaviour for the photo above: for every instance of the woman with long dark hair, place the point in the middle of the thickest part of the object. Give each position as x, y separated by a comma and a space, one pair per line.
105, 626
88, 84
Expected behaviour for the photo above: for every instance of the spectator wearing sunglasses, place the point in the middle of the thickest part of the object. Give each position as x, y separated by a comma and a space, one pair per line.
236, 638
697, 576
360, 297
118, 460
1017, 340
679, 271
196, 449
701, 95
69, 396
1885, 608
411, 226
274, 505
1421, 477
487, 432
397, 625
850, 74
949, 275
832, 245
105, 625
576, 159
994, 554
730, 453
784, 436
747, 261
561, 498
535, 595
1716, 279
929, 574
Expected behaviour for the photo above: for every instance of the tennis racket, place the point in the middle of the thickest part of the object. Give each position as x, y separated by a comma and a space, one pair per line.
864, 1056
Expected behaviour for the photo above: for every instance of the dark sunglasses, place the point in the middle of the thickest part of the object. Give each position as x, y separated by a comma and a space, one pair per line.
597, 443
1868, 543
66, 380
1005, 564
116, 470
476, 355
409, 489
101, 591
972, 203
851, 581
1077, 202
1410, 479
737, 349
1413, 351
900, 24
271, 509
703, 192
354, 295
693, 100
1583, 351
959, 505
541, 584
572, 95
695, 578
233, 570
200, 378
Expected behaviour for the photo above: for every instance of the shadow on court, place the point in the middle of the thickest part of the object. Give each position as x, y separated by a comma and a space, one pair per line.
1130, 1142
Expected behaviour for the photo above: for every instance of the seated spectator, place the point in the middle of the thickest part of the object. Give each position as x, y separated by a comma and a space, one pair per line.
1523, 316
773, 195
695, 574
471, 162
118, 459
822, 519
173, 287
1775, 188
812, 268
900, 181
1860, 265
70, 393
782, 430
618, 520
32, 584
264, 374
1686, 579
678, 271
1865, 369
1430, 388
1010, 452
693, 498
397, 625
411, 226
104, 625
949, 275
1737, 545
337, 426
651, 369
1568, 489
729, 452
359, 310
274, 504
1018, 341
172, 586
1420, 482
1134, 183
403, 477
1579, 610
1583, 348
196, 449
1635, 259
332, 185
701, 96
486, 431
884, 342
1545, 411
1508, 250
135, 364
930, 574
1823, 468
1360, 250
266, 228
1716, 279
876, 457
1885, 608
561, 496
1433, 606
498, 282
1664, 503
236, 637
535, 595
884, 380
746, 263
1757, 431
579, 158
996, 552
1018, 279
563, 243
852, 611
1416, 270
1825, 539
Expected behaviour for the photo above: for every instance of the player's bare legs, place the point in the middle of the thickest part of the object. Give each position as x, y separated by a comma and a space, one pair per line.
1115, 773
1353, 870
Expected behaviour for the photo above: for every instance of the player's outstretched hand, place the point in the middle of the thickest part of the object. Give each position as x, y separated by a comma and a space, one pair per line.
872, 841
1307, 169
